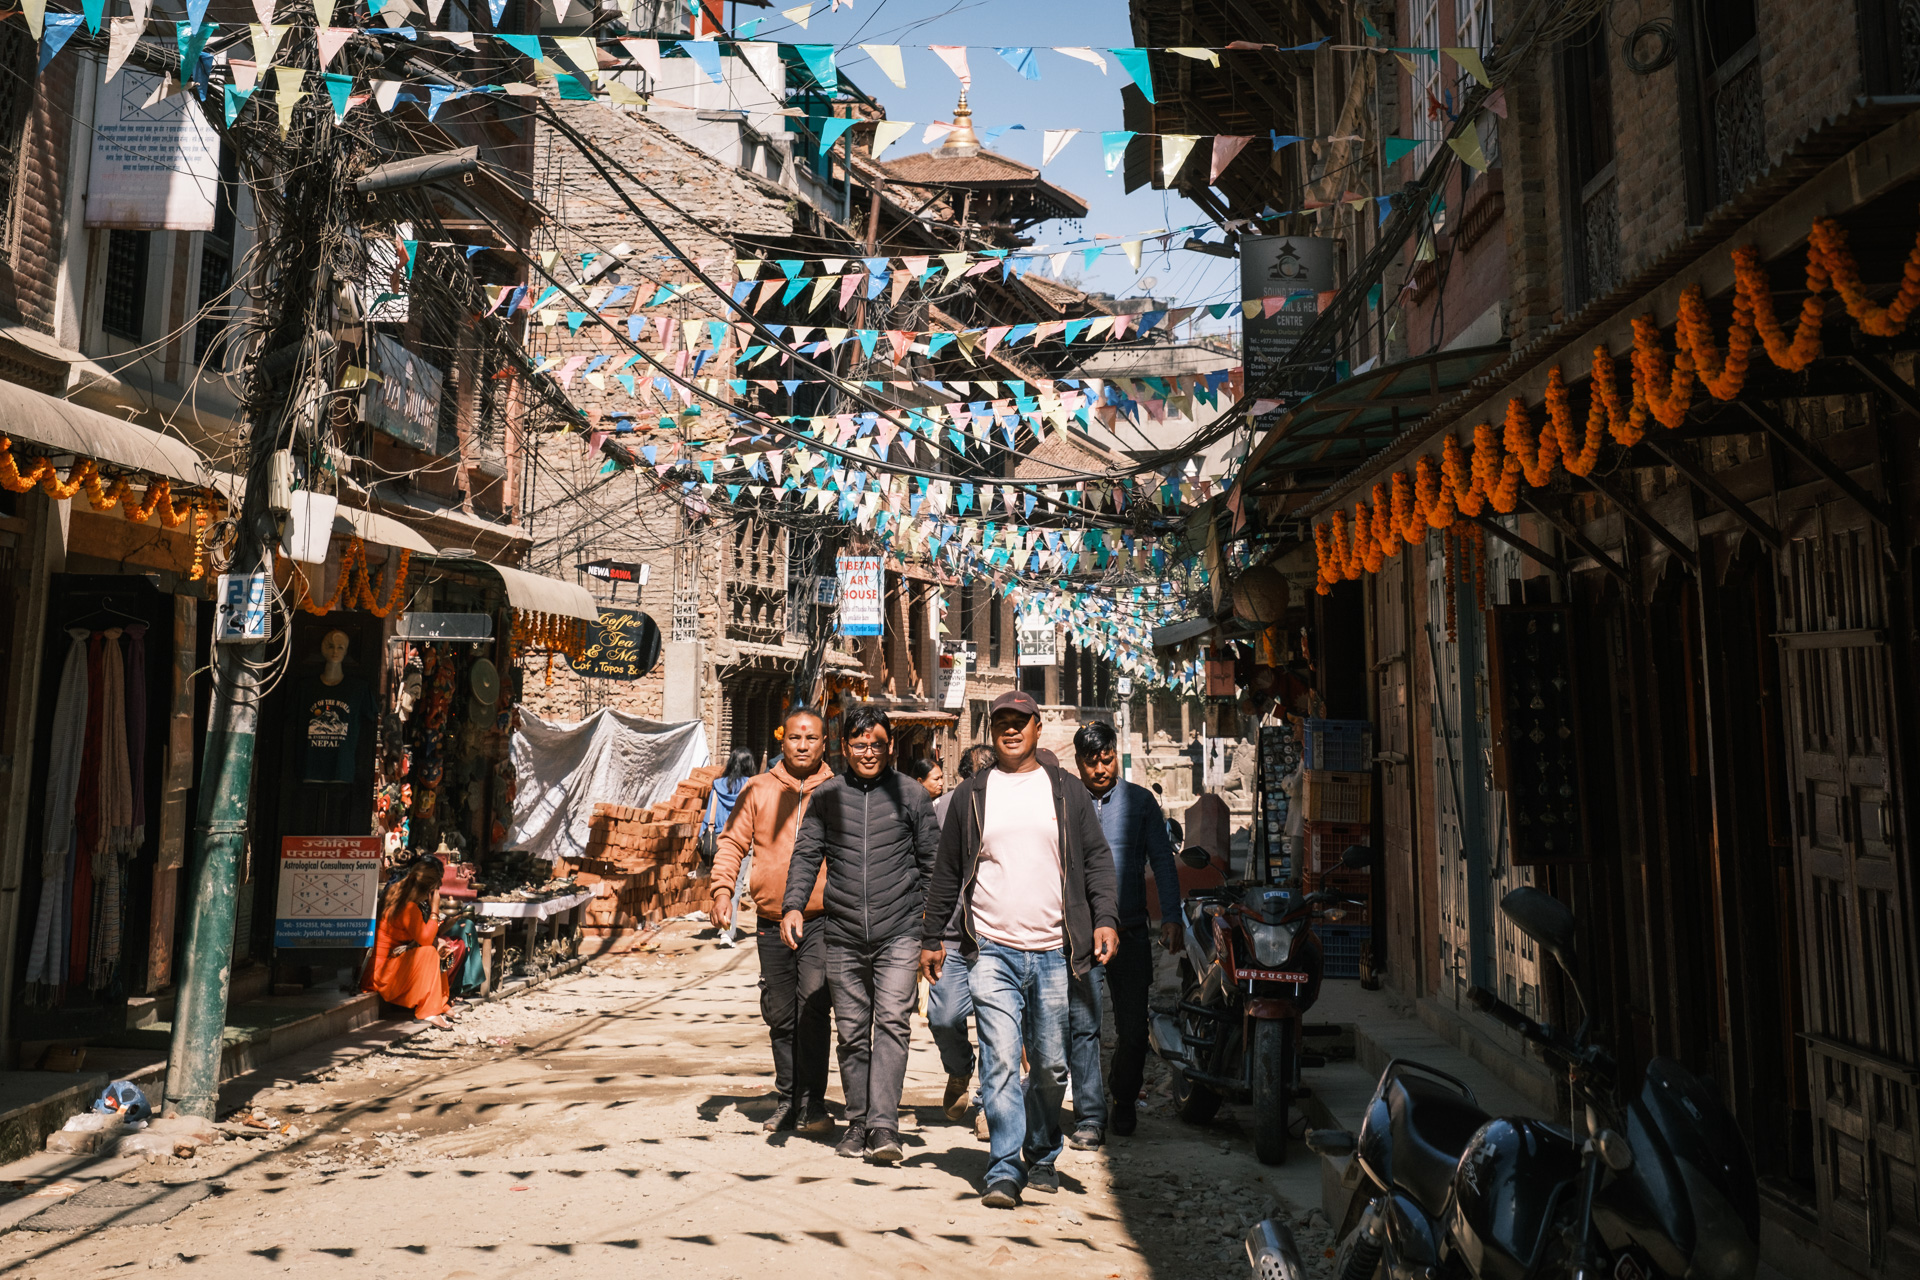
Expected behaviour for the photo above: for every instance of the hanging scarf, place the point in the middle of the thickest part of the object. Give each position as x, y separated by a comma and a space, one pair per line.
89, 817
137, 729
44, 960
116, 785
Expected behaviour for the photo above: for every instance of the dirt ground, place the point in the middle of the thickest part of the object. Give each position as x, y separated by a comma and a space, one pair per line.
611, 1123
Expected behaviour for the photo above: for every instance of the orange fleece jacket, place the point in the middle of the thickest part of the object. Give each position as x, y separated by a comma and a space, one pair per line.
765, 819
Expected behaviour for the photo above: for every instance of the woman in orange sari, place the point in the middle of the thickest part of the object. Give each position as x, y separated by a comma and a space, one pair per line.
406, 959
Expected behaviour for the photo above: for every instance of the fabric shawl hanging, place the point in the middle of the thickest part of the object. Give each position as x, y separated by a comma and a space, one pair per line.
46, 959
90, 830
137, 730
116, 807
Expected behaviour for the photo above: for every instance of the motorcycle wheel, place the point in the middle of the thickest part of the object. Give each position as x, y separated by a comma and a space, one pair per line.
1272, 1050
1195, 1102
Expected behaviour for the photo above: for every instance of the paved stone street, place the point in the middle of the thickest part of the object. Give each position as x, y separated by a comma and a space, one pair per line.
611, 1121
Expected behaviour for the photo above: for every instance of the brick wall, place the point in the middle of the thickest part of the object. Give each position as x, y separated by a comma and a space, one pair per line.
1809, 66
29, 291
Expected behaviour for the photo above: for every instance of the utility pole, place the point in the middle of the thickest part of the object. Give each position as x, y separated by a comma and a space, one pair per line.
288, 380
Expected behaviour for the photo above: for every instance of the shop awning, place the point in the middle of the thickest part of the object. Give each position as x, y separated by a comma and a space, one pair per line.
922, 717
1343, 426
371, 526
55, 426
532, 592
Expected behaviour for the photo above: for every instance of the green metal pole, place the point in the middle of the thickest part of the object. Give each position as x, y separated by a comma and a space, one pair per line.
283, 384
226, 778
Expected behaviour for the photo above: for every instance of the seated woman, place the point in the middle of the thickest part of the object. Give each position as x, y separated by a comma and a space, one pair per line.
406, 959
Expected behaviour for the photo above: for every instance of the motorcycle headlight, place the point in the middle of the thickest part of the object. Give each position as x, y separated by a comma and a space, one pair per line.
1271, 943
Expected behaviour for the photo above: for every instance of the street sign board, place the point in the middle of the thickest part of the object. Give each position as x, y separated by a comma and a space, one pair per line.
616, 571
405, 401
955, 661
241, 614
329, 889
623, 645
1038, 640
1295, 270
444, 626
862, 589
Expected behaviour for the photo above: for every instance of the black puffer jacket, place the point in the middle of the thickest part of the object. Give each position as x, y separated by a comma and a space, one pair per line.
878, 837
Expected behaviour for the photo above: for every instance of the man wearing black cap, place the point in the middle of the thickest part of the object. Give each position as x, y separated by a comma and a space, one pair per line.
1023, 860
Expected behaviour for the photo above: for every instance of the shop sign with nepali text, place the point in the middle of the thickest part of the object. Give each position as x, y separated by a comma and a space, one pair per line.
329, 890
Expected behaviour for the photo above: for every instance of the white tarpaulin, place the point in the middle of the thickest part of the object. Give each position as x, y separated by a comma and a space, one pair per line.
561, 770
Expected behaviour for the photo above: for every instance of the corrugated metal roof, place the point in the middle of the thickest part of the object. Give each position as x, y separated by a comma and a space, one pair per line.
58, 426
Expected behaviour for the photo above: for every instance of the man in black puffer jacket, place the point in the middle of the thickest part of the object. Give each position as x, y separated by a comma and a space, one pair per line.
875, 830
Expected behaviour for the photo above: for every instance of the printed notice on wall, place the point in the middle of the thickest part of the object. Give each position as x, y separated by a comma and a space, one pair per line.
329, 887
1038, 640
861, 582
156, 160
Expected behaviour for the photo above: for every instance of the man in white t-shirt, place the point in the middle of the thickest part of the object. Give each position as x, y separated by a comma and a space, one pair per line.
1023, 859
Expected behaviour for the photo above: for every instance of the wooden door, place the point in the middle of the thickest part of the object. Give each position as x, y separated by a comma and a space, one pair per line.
1459, 818
1477, 945
1852, 874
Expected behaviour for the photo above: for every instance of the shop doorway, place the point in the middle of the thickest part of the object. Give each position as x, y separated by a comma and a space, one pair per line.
85, 930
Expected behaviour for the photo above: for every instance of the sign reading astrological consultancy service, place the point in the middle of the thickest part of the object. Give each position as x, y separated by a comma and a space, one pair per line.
329, 887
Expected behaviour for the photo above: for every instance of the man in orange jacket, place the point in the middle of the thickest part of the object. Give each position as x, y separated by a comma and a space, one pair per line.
793, 980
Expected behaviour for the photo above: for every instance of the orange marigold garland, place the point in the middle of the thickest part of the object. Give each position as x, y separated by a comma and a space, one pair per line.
1827, 241
1322, 548
1722, 374
1439, 493
1535, 452
1468, 495
1386, 533
1406, 523
1579, 460
1750, 281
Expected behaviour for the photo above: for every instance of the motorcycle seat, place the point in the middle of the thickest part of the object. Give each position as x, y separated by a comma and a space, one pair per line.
1430, 1125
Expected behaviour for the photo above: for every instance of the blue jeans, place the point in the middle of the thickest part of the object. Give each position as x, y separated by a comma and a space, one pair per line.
1020, 997
1083, 1050
949, 1004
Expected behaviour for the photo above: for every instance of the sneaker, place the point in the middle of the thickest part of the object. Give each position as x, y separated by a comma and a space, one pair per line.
853, 1143
1001, 1195
883, 1146
813, 1117
1125, 1118
1043, 1177
957, 1097
1087, 1138
784, 1117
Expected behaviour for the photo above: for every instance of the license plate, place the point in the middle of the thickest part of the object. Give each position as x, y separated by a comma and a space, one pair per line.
1269, 975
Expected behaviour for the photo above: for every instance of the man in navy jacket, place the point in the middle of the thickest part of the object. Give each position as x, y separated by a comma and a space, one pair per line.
1136, 831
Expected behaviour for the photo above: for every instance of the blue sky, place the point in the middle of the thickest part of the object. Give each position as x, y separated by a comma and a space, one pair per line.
1069, 95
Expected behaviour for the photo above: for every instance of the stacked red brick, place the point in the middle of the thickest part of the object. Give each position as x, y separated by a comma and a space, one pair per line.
646, 858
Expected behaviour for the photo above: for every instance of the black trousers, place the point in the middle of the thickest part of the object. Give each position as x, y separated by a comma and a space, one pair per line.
795, 1004
1129, 980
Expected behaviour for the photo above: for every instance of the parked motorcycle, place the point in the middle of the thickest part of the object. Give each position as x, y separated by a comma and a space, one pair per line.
1251, 971
1660, 1185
